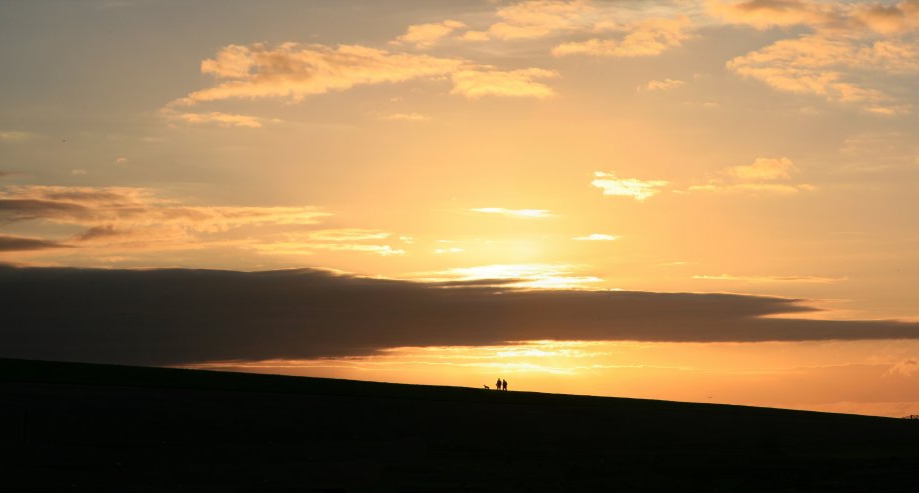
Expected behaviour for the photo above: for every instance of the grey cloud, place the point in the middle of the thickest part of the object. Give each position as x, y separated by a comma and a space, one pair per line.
176, 316
25, 209
18, 243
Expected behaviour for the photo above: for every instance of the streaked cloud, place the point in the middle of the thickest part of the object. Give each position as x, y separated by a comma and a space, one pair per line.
524, 276
521, 213
597, 237
424, 36
348, 234
19, 243
13, 136
539, 18
294, 71
405, 117
850, 46
337, 240
317, 314
764, 175
661, 85
213, 117
627, 187
649, 37
479, 82
441, 251
762, 279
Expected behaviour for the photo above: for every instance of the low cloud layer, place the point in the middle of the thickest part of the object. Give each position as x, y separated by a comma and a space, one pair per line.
175, 316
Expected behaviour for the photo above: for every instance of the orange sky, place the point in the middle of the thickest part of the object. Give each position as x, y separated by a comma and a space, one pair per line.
760, 148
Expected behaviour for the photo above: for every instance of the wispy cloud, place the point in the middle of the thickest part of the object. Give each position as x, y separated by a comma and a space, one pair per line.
764, 175
295, 71
14, 136
767, 279
521, 213
649, 37
423, 36
19, 243
337, 240
597, 237
661, 85
478, 82
136, 218
627, 187
540, 18
850, 45
405, 117
213, 117
527, 276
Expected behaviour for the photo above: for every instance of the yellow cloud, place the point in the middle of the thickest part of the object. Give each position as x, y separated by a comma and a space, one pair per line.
661, 85
213, 117
539, 18
476, 83
295, 71
13, 136
649, 37
851, 44
522, 213
527, 276
763, 169
426, 35
137, 208
758, 177
767, 279
597, 237
405, 117
627, 187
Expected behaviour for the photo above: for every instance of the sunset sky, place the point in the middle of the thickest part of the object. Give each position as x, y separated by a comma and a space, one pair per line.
688, 200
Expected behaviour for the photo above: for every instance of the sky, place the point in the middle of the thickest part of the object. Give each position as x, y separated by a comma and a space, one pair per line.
709, 201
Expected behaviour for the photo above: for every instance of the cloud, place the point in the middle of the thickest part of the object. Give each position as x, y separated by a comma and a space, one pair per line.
763, 169
759, 177
761, 279
405, 117
597, 237
13, 136
649, 37
476, 83
521, 213
294, 71
176, 316
540, 18
661, 85
906, 368
627, 187
136, 207
441, 251
213, 117
846, 58
19, 243
340, 240
522, 276
133, 218
764, 14
424, 36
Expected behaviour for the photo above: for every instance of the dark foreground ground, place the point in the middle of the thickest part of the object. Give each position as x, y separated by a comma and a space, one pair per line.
78, 427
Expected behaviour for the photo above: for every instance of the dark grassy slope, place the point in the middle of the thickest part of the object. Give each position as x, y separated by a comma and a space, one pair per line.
79, 427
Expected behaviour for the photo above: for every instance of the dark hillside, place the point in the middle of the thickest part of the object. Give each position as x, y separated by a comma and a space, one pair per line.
81, 427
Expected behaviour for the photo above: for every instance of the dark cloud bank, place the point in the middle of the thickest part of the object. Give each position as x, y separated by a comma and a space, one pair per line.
177, 316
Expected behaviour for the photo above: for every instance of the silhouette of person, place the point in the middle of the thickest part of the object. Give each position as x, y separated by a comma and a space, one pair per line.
498, 384
504, 384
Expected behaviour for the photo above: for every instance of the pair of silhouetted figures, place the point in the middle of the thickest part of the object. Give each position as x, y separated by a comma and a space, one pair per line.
501, 384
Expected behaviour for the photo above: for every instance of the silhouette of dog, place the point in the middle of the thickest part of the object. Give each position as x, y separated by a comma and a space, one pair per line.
486, 386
